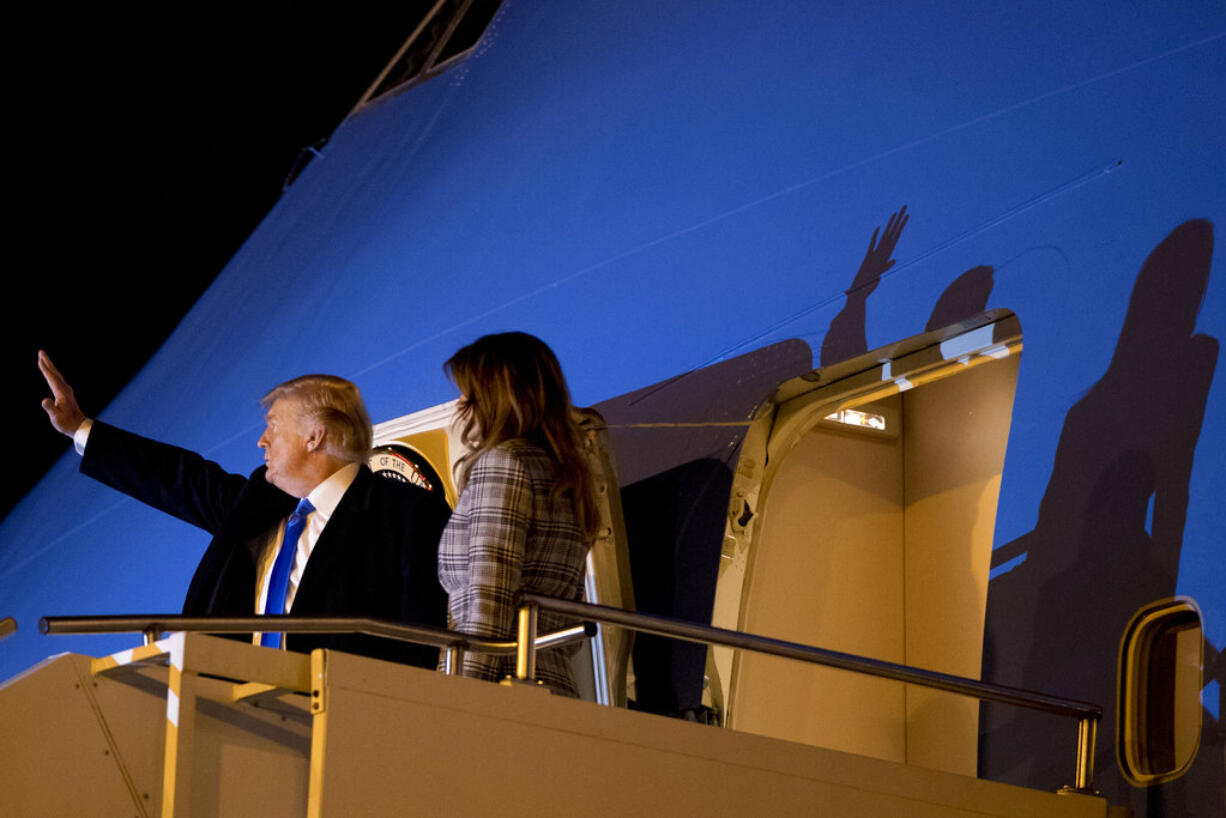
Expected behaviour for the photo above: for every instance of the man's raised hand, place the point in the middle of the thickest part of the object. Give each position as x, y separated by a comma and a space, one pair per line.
61, 408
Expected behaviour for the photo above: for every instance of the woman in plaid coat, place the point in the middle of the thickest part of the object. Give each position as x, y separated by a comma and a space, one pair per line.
526, 512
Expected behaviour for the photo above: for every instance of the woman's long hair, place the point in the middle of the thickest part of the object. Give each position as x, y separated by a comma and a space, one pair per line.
512, 388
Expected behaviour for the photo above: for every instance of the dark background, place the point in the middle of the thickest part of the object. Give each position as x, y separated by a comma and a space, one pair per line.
147, 143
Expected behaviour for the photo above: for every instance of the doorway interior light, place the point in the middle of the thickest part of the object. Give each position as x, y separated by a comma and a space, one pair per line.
854, 417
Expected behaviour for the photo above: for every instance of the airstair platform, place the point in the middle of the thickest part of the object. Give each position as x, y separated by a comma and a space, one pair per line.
195, 725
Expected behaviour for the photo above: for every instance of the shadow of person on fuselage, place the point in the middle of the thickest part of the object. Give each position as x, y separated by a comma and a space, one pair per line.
1110, 525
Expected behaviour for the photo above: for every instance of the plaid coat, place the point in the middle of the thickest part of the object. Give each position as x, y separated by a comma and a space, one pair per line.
506, 536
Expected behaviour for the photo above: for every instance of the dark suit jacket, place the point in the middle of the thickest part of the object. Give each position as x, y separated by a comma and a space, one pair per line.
377, 556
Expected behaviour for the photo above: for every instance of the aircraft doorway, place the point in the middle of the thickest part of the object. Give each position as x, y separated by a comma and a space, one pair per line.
873, 536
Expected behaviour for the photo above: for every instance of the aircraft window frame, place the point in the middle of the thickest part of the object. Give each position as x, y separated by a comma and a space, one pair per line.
430, 48
1135, 753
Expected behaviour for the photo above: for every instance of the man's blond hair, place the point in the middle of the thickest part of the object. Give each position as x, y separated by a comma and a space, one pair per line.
337, 404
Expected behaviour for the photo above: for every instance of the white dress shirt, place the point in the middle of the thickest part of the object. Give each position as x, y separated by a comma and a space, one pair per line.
325, 497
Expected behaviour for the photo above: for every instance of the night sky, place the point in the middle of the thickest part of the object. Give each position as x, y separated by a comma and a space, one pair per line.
148, 143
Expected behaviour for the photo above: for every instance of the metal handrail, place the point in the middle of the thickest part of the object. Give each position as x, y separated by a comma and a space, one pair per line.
527, 642
453, 644
1088, 715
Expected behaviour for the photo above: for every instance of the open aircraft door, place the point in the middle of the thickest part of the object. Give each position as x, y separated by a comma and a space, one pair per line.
861, 520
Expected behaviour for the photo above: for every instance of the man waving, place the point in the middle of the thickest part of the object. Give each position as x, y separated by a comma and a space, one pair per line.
312, 532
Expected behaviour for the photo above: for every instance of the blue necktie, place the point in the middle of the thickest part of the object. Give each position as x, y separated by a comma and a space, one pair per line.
278, 584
